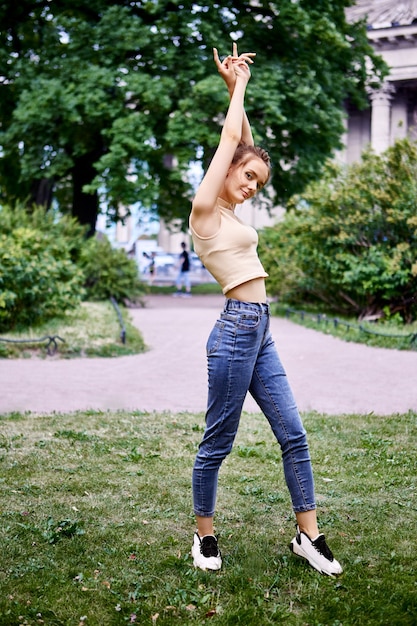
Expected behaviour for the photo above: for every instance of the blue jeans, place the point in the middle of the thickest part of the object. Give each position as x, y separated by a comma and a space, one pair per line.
242, 357
183, 278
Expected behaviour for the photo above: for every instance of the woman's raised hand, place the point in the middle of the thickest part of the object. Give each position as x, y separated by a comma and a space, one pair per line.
233, 65
241, 68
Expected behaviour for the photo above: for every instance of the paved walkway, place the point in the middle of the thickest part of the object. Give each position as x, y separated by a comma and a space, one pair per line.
326, 374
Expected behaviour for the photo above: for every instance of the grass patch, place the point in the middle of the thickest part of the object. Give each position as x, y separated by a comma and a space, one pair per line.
96, 523
381, 334
202, 289
92, 330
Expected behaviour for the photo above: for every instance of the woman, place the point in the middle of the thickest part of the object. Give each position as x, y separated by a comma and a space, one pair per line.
240, 350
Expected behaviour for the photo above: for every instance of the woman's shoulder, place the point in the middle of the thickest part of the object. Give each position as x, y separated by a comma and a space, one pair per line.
205, 224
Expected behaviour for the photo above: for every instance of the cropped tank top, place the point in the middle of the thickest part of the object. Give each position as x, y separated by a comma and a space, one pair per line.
230, 254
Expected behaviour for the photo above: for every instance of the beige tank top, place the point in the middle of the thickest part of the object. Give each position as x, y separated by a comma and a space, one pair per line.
230, 254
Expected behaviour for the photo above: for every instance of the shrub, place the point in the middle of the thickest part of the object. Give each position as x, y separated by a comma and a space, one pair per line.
47, 267
53, 226
38, 279
109, 272
350, 240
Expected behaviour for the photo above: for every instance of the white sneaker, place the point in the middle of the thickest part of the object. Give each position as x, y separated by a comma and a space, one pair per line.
316, 552
206, 553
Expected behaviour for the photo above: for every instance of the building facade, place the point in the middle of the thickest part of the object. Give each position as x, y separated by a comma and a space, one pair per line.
392, 111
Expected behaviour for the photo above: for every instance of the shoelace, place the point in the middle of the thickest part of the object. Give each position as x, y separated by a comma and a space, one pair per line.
322, 547
208, 547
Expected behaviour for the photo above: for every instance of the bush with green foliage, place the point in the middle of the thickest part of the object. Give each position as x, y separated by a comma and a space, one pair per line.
52, 224
109, 272
38, 278
350, 240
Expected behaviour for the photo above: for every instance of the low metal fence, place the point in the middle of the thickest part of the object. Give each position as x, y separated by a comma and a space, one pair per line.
321, 318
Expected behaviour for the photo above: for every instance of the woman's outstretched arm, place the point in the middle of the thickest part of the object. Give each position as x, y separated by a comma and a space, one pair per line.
205, 200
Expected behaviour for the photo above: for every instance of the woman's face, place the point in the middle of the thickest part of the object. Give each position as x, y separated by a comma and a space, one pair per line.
244, 179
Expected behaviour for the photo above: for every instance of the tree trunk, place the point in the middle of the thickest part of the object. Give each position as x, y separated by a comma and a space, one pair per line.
85, 206
41, 192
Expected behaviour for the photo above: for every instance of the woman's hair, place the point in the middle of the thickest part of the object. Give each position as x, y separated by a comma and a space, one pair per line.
244, 152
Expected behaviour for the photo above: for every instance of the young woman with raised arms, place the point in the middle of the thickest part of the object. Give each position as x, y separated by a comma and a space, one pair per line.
241, 353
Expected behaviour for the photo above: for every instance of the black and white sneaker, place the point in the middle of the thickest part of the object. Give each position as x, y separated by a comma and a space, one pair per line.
206, 553
316, 552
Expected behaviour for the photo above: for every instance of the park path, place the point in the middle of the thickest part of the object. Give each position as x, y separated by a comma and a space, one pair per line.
326, 374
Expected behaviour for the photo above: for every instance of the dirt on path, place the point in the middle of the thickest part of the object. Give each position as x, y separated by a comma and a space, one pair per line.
327, 374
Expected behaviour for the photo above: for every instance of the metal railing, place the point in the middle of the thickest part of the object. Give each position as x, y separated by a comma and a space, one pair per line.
321, 318
121, 322
51, 346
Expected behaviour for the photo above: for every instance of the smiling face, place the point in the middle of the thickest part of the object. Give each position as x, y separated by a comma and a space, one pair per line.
244, 179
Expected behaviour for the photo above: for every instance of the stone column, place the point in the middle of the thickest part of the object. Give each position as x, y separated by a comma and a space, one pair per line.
399, 117
381, 117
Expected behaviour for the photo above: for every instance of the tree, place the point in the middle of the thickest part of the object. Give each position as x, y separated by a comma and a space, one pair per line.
112, 101
350, 240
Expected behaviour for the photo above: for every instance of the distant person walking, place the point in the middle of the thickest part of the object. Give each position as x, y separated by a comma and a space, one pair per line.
183, 278
151, 268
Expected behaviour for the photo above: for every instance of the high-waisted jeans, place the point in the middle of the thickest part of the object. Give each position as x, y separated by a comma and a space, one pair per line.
242, 357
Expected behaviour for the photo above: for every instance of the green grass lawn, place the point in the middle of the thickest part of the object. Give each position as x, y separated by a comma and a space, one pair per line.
96, 523
200, 289
92, 330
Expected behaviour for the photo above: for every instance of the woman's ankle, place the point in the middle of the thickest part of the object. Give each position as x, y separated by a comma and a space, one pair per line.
204, 526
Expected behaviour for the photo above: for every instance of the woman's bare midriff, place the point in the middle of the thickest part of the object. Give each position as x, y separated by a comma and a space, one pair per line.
251, 291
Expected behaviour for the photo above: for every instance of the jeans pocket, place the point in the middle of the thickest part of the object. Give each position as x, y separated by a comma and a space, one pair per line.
242, 320
248, 321
215, 337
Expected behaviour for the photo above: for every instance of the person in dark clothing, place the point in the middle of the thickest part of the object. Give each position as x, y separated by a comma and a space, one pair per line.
183, 278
